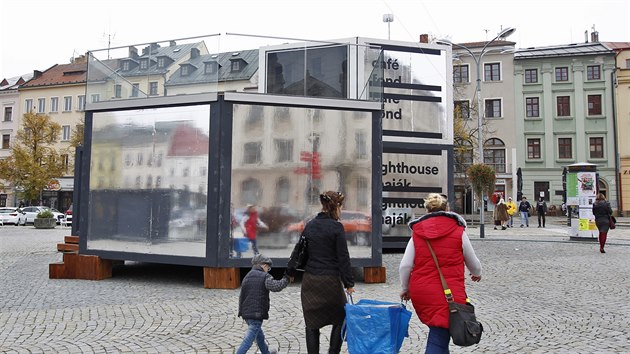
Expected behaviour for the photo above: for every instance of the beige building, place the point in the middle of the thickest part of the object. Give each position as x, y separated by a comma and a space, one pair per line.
622, 119
496, 69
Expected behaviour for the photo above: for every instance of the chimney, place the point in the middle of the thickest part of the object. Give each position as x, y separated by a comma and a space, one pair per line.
194, 53
154, 48
586, 36
594, 36
36, 74
424, 38
133, 52
172, 43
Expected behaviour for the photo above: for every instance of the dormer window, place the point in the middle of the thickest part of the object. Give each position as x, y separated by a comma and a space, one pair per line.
160, 62
211, 67
144, 64
237, 64
125, 65
185, 70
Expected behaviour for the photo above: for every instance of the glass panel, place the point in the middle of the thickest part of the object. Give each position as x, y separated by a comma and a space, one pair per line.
325, 154
148, 181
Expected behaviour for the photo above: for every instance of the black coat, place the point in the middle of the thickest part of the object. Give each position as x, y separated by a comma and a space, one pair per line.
602, 212
253, 302
328, 249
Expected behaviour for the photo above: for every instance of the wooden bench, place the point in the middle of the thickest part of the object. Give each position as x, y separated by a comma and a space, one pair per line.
70, 245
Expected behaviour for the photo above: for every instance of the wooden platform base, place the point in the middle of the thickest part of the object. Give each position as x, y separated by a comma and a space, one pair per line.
374, 275
221, 278
76, 266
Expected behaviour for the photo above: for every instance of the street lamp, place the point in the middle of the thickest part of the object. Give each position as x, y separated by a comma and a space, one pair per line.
388, 18
503, 34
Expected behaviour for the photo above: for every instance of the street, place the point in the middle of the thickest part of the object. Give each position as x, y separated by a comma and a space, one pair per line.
540, 293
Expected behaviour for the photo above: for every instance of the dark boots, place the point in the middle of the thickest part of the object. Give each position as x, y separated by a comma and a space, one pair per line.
312, 340
602, 241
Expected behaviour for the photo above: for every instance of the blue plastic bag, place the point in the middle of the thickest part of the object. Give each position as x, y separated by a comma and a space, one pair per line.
375, 327
241, 244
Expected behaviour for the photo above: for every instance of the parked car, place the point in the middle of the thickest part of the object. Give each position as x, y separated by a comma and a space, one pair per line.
69, 215
14, 216
356, 224
32, 211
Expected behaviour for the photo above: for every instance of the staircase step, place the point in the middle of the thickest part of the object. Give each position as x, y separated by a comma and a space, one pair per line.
71, 239
68, 247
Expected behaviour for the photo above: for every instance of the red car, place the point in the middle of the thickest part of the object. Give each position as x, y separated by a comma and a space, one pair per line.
356, 224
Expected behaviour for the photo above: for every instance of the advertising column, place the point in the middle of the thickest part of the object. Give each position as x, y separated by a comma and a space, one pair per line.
581, 194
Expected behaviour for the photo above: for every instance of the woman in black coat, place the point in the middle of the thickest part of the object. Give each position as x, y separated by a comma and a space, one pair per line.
326, 274
602, 212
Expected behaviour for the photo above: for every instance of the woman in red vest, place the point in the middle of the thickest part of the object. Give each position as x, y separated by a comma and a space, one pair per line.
419, 277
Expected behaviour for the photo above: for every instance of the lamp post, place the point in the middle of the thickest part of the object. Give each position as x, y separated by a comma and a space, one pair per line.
503, 34
388, 18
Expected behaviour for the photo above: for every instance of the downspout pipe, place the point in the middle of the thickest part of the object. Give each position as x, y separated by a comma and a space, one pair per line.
613, 77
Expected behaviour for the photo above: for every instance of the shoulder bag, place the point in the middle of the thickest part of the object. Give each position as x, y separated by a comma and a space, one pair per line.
463, 326
612, 221
299, 256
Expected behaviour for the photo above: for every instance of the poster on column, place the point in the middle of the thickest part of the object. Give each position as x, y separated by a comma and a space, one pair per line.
581, 192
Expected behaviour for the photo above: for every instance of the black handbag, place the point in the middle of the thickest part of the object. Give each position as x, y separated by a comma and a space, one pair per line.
463, 326
299, 256
612, 221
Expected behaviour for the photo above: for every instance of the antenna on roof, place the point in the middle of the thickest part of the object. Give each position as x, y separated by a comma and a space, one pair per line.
110, 37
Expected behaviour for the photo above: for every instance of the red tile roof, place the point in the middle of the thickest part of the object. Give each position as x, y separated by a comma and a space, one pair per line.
64, 74
617, 45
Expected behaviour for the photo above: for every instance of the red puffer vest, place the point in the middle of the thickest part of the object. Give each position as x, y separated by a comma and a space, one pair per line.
425, 288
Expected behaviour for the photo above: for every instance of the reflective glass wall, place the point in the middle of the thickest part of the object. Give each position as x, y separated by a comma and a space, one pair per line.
283, 158
148, 186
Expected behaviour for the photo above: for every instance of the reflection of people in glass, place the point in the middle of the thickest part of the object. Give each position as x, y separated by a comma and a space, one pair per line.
327, 272
250, 224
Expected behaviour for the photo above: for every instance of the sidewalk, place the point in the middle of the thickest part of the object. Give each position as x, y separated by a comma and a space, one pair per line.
556, 230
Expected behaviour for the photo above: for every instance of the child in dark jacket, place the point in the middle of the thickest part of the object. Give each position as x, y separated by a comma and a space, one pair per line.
253, 302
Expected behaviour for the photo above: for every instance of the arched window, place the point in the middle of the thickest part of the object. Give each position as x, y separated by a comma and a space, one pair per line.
494, 154
251, 191
283, 191
602, 187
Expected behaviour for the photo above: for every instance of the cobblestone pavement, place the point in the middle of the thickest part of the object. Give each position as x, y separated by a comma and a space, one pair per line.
540, 293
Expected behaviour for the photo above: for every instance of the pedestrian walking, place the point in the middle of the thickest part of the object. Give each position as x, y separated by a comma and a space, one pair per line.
253, 302
541, 211
250, 224
524, 208
326, 274
602, 212
500, 214
511, 210
419, 276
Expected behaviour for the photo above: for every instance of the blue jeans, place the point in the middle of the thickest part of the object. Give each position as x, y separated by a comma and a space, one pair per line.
524, 218
254, 332
438, 341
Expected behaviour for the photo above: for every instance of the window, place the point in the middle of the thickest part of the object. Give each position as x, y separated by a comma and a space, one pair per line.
135, 90
81, 103
139, 159
562, 74
28, 105
8, 114
117, 91
125, 65
252, 153
565, 148
596, 147
41, 105
283, 191
236, 65
67, 103
210, 68
6, 141
563, 106
594, 105
128, 160
54, 104
532, 108
153, 88
493, 108
184, 70
144, 64
361, 145
65, 160
627, 63
363, 191
460, 74
463, 155
160, 62
149, 183
96, 97
462, 109
65, 134
593, 72
494, 154
531, 76
492, 72
533, 148
541, 188
284, 150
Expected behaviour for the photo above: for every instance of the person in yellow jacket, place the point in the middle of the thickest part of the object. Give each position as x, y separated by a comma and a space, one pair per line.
511, 209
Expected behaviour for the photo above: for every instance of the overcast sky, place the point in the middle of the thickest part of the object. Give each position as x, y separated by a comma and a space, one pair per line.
36, 34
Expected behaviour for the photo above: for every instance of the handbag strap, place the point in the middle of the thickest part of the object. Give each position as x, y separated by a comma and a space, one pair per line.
447, 292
